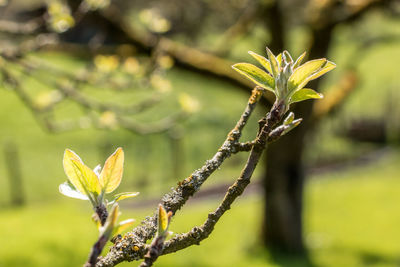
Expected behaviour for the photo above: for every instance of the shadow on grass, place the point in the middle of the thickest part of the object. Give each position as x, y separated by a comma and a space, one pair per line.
366, 258
369, 258
280, 258
285, 259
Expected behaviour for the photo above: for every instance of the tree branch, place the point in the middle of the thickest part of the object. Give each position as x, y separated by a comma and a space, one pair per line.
44, 117
132, 245
182, 54
160, 126
197, 234
334, 12
154, 251
247, 146
94, 104
240, 28
23, 28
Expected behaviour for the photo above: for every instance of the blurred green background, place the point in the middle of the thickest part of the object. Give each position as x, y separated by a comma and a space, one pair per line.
351, 193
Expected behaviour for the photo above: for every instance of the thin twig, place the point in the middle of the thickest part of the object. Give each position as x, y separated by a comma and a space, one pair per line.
101, 106
160, 126
23, 28
90, 104
247, 146
154, 251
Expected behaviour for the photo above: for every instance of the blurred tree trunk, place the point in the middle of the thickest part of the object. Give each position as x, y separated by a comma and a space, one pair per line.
284, 178
283, 185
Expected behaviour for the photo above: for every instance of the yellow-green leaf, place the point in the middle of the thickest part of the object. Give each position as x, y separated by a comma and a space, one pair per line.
122, 226
288, 57
125, 195
299, 60
89, 179
163, 220
298, 79
288, 120
69, 169
327, 67
279, 60
262, 60
255, 74
305, 94
274, 63
111, 175
114, 214
80, 176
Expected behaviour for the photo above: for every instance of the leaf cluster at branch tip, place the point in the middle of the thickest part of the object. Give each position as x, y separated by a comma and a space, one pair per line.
285, 77
87, 184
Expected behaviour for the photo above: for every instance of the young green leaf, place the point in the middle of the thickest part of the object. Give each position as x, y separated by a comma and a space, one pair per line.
68, 190
274, 63
89, 179
70, 170
111, 175
288, 120
122, 226
327, 67
262, 60
125, 195
287, 57
114, 214
300, 76
291, 126
299, 60
255, 74
305, 94
163, 220
279, 60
